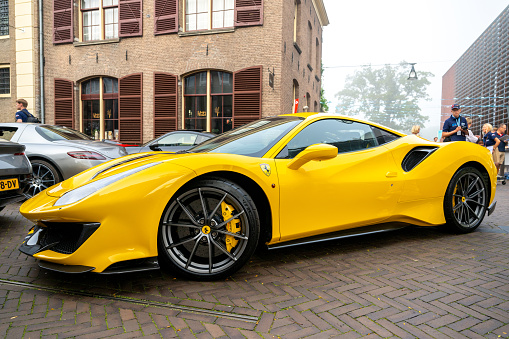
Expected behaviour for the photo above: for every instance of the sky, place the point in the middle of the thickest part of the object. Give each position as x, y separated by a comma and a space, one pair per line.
431, 33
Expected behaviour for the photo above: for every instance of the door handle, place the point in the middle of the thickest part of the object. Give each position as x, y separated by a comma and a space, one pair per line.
391, 174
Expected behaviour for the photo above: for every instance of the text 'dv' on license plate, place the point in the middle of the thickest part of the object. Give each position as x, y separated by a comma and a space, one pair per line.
9, 184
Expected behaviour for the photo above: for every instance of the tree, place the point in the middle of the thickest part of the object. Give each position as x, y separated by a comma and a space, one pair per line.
385, 96
324, 106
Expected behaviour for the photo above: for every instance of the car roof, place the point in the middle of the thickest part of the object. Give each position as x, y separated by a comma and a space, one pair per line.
316, 115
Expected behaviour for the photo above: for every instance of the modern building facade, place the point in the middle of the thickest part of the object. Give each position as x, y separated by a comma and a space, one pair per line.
132, 70
479, 80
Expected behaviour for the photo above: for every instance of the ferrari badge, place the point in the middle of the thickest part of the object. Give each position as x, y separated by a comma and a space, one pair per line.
266, 169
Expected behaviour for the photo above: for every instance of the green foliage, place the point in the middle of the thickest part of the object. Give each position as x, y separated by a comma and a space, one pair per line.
324, 106
385, 96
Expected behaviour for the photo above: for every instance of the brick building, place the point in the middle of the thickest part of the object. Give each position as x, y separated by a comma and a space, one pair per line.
479, 80
134, 69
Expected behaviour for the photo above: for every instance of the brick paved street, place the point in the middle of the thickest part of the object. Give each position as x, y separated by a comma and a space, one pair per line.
416, 282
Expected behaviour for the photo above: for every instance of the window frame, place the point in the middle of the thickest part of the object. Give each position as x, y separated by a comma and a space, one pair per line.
102, 18
7, 95
210, 12
5, 26
208, 95
102, 96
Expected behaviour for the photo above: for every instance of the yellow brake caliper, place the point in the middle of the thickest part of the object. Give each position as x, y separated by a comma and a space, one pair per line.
232, 227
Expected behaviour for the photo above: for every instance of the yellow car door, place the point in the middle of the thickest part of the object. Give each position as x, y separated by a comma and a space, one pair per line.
356, 187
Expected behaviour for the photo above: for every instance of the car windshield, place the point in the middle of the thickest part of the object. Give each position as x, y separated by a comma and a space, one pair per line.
54, 133
253, 139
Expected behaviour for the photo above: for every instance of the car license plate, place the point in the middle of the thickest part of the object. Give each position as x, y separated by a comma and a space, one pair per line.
9, 184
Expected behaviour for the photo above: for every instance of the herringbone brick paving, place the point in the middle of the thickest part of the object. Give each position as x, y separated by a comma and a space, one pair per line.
416, 282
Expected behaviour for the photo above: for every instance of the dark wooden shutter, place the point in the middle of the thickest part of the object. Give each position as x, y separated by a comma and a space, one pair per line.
64, 103
63, 21
248, 12
247, 95
130, 18
165, 103
130, 108
166, 16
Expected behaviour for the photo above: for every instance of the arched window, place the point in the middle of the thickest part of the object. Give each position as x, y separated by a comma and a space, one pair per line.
99, 102
200, 88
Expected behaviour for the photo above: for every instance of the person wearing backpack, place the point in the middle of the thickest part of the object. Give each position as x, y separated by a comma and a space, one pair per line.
23, 115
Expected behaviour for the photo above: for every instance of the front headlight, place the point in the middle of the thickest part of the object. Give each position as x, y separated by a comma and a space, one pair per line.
88, 189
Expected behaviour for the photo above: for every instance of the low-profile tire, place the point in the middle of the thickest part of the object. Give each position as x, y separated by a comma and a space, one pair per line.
193, 235
44, 175
466, 200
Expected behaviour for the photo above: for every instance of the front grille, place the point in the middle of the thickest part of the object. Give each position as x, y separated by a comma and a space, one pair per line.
66, 238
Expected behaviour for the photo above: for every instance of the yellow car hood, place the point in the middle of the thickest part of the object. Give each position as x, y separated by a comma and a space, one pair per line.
110, 168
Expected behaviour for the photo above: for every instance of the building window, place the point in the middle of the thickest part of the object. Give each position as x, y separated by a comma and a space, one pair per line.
99, 99
5, 80
99, 19
295, 96
296, 21
200, 88
4, 17
209, 14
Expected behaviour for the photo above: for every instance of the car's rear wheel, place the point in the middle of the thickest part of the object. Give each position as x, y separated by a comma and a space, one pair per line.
466, 200
44, 175
209, 229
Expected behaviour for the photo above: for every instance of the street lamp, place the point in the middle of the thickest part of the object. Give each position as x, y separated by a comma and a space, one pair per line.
413, 73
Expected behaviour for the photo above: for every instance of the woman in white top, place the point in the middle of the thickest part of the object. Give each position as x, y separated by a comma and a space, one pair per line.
470, 136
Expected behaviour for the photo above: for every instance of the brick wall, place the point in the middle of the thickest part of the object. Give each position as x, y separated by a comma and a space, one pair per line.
181, 55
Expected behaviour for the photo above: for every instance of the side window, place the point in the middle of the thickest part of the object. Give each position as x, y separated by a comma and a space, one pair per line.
382, 136
200, 139
7, 133
178, 139
347, 136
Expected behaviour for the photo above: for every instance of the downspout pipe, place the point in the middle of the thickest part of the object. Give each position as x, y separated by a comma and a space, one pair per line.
41, 62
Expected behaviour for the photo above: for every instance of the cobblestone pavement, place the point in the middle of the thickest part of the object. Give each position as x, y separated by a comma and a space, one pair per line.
415, 282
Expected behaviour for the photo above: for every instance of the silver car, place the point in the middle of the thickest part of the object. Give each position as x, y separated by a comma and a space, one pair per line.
15, 170
57, 153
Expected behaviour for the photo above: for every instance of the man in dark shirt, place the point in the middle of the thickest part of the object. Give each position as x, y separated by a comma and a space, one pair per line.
456, 126
22, 114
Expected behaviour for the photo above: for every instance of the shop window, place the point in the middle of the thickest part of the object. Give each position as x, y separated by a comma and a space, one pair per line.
209, 14
4, 17
221, 97
5, 80
99, 99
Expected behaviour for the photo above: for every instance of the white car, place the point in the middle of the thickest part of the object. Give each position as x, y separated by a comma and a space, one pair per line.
57, 153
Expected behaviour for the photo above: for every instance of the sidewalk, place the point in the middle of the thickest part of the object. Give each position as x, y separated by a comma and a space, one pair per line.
416, 282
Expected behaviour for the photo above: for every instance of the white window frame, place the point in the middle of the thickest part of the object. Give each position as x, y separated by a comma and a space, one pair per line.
102, 25
210, 16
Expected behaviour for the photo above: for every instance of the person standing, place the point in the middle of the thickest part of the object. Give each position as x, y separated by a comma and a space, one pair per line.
455, 127
416, 129
470, 136
22, 114
490, 139
499, 152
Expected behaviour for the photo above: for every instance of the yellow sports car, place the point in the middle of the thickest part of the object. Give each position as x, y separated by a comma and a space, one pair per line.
278, 182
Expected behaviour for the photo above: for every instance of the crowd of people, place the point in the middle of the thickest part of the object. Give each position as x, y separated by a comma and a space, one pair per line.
457, 128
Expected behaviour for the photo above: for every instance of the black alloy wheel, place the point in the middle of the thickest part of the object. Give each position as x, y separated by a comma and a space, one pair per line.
44, 175
466, 200
209, 230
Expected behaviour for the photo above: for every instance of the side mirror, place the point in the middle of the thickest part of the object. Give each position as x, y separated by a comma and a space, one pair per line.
154, 147
313, 152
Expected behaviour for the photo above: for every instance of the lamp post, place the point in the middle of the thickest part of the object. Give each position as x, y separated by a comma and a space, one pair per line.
413, 73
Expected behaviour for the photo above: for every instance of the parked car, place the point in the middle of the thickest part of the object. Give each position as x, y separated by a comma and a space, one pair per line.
57, 153
15, 172
173, 142
279, 181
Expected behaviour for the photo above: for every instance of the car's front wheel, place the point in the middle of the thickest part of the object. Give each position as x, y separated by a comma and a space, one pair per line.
466, 200
209, 230
44, 175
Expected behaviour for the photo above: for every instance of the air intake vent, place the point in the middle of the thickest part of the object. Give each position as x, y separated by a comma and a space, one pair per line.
416, 156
